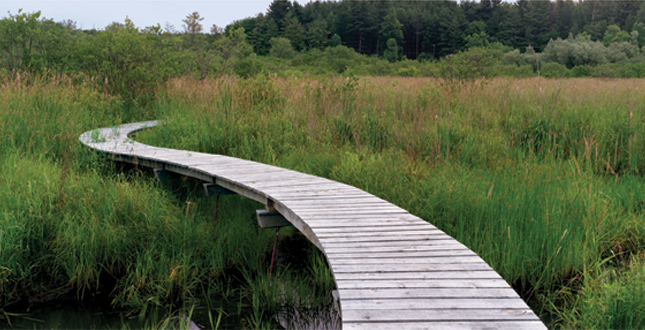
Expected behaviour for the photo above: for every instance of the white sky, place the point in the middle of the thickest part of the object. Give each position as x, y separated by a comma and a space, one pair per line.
99, 13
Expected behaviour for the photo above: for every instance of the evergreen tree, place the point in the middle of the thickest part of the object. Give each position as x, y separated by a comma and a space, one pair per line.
452, 23
294, 31
563, 18
639, 28
613, 34
193, 28
391, 28
511, 32
537, 24
317, 34
277, 12
265, 29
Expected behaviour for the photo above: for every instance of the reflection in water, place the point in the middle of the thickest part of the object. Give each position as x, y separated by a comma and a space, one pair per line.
79, 316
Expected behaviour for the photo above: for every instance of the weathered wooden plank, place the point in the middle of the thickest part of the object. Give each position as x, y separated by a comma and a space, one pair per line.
385, 238
389, 216
468, 283
383, 233
406, 243
432, 303
452, 325
405, 261
416, 293
388, 228
359, 225
330, 201
193, 160
418, 275
409, 267
400, 255
321, 209
367, 209
323, 188
309, 182
438, 315
287, 197
276, 176
448, 245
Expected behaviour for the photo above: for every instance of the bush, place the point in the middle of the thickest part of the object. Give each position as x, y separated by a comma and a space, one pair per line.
581, 71
465, 66
607, 70
281, 48
248, 67
408, 72
512, 70
553, 70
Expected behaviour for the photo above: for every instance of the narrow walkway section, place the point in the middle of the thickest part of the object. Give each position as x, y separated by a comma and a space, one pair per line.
393, 270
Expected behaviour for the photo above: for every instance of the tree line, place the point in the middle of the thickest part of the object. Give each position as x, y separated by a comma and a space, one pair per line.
429, 29
410, 38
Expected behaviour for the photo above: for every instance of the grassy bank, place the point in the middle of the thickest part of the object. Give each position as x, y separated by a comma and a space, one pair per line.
545, 182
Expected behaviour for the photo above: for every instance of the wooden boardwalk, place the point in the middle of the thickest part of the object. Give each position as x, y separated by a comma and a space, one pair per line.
393, 270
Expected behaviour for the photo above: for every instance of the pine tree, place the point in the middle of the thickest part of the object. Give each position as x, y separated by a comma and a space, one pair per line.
294, 31
317, 34
391, 28
277, 11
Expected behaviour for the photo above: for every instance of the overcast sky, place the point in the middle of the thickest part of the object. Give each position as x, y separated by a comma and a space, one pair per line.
98, 14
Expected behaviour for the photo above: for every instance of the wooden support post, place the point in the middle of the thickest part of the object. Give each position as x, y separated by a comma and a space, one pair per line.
161, 174
212, 189
267, 219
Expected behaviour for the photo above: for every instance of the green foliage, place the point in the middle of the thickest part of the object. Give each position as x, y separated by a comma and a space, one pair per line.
392, 51
613, 300
613, 34
581, 71
467, 66
317, 34
335, 41
233, 49
34, 44
295, 32
553, 70
391, 28
282, 48
639, 28
126, 62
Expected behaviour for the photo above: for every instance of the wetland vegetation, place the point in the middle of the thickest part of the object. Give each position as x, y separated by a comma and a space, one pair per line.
546, 185
534, 160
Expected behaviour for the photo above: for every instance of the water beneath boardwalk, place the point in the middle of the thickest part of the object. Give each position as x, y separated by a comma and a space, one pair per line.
82, 316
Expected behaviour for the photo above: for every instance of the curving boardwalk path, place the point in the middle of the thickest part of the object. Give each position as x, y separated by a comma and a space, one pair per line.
393, 270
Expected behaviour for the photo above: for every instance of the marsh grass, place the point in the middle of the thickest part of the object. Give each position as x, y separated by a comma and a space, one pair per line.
545, 184
74, 226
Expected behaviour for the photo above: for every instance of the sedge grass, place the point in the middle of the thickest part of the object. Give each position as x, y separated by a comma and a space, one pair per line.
75, 226
543, 184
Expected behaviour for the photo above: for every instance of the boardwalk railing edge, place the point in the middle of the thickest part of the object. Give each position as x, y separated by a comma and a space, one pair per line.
392, 269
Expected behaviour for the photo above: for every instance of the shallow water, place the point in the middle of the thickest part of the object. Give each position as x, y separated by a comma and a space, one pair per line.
82, 316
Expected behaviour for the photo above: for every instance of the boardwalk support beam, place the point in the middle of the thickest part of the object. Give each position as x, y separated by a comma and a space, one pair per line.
212, 189
268, 219
161, 174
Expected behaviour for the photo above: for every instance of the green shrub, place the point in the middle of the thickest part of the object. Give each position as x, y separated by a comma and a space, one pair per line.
282, 48
553, 70
581, 71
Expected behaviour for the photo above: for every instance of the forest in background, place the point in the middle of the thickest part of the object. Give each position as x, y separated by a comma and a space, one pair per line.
447, 39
